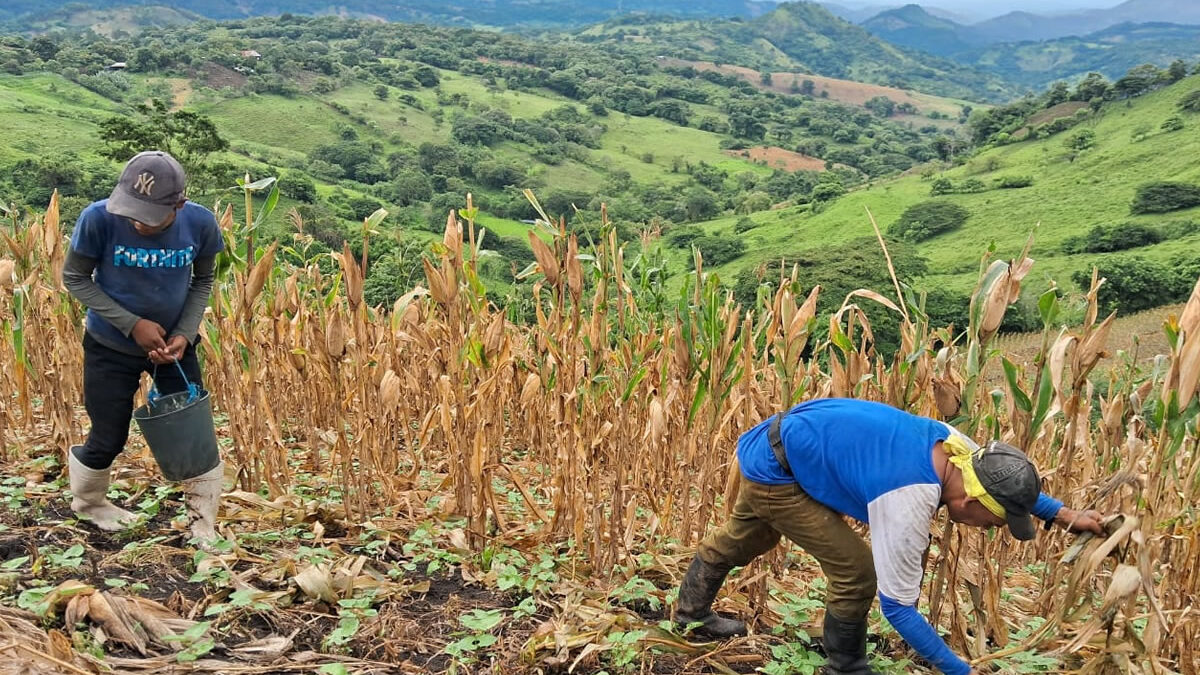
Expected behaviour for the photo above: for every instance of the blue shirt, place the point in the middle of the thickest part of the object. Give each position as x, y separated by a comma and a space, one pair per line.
147, 275
874, 463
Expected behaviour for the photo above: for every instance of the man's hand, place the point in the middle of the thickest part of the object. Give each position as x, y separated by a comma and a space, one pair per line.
148, 335
1080, 521
172, 352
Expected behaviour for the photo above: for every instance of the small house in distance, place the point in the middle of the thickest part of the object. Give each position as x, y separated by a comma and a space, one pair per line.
117, 65
250, 54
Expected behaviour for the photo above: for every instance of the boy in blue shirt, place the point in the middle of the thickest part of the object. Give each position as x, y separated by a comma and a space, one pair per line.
829, 458
142, 262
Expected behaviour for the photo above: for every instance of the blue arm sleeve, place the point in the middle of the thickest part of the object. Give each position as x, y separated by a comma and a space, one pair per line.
917, 632
1046, 507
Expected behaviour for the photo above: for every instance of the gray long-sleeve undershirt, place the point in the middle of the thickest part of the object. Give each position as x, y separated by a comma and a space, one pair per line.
77, 277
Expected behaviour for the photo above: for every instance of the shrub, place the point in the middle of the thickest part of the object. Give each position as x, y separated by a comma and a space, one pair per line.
1172, 123
1011, 182
514, 249
927, 219
1081, 140
972, 185
683, 235
719, 249
1164, 196
941, 186
1132, 284
841, 268
1109, 238
298, 186
1190, 102
744, 224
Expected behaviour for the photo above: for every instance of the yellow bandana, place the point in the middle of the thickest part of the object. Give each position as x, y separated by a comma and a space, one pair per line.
960, 455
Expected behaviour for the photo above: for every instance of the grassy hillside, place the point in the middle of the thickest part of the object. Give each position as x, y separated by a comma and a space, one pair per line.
1067, 198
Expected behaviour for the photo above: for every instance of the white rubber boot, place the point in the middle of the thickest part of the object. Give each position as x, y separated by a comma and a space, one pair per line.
89, 488
202, 495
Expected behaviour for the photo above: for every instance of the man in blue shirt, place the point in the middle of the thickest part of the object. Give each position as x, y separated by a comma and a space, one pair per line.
829, 458
142, 262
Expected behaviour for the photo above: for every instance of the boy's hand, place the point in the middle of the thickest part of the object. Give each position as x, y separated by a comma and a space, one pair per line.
176, 346
149, 335
1080, 521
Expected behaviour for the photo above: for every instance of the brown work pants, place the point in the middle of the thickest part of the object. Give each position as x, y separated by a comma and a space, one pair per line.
764, 512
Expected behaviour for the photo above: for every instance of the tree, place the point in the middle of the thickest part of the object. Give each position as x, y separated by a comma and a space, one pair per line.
1176, 71
1094, 86
699, 204
807, 87
881, 105
187, 136
1138, 81
298, 186
673, 111
1058, 93
381, 92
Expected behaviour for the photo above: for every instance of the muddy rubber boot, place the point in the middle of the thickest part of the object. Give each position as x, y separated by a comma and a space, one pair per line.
202, 495
846, 647
89, 488
696, 594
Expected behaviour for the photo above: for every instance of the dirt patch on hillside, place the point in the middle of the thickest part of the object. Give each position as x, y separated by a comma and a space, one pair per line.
216, 76
181, 92
778, 158
843, 91
504, 62
1061, 110
1049, 115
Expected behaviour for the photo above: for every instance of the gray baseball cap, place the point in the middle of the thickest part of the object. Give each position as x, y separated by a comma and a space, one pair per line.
149, 188
1013, 481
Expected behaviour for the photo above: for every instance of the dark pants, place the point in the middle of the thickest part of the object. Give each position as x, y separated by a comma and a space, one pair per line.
764, 512
110, 381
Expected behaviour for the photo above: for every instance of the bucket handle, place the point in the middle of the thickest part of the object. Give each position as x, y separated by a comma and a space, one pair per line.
193, 389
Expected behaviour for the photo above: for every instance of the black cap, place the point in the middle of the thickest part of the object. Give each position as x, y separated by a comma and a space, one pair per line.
151, 185
1013, 481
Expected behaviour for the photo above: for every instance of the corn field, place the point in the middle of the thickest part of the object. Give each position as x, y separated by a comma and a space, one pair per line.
616, 424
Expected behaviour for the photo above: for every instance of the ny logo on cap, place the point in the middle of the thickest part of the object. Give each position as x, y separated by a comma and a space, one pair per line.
144, 184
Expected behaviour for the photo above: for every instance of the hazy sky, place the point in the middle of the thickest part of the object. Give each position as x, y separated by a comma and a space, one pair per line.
993, 7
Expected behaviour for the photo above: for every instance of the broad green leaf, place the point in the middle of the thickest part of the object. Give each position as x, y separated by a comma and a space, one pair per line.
376, 218
1019, 396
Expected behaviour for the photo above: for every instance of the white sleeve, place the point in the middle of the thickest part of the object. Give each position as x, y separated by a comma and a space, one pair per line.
970, 442
899, 536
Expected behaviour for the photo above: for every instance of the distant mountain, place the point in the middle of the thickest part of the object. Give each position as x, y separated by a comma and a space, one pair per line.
855, 14
1111, 52
815, 39
1042, 56
501, 13
1023, 26
913, 26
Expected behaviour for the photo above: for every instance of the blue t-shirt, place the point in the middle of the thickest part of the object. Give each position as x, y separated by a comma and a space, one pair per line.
874, 463
149, 276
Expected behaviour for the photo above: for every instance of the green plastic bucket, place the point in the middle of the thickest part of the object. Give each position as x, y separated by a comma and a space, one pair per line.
179, 430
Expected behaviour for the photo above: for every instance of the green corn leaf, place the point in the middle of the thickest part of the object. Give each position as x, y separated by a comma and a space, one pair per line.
1019, 396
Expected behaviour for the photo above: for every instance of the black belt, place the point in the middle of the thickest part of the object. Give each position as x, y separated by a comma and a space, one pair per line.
776, 439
